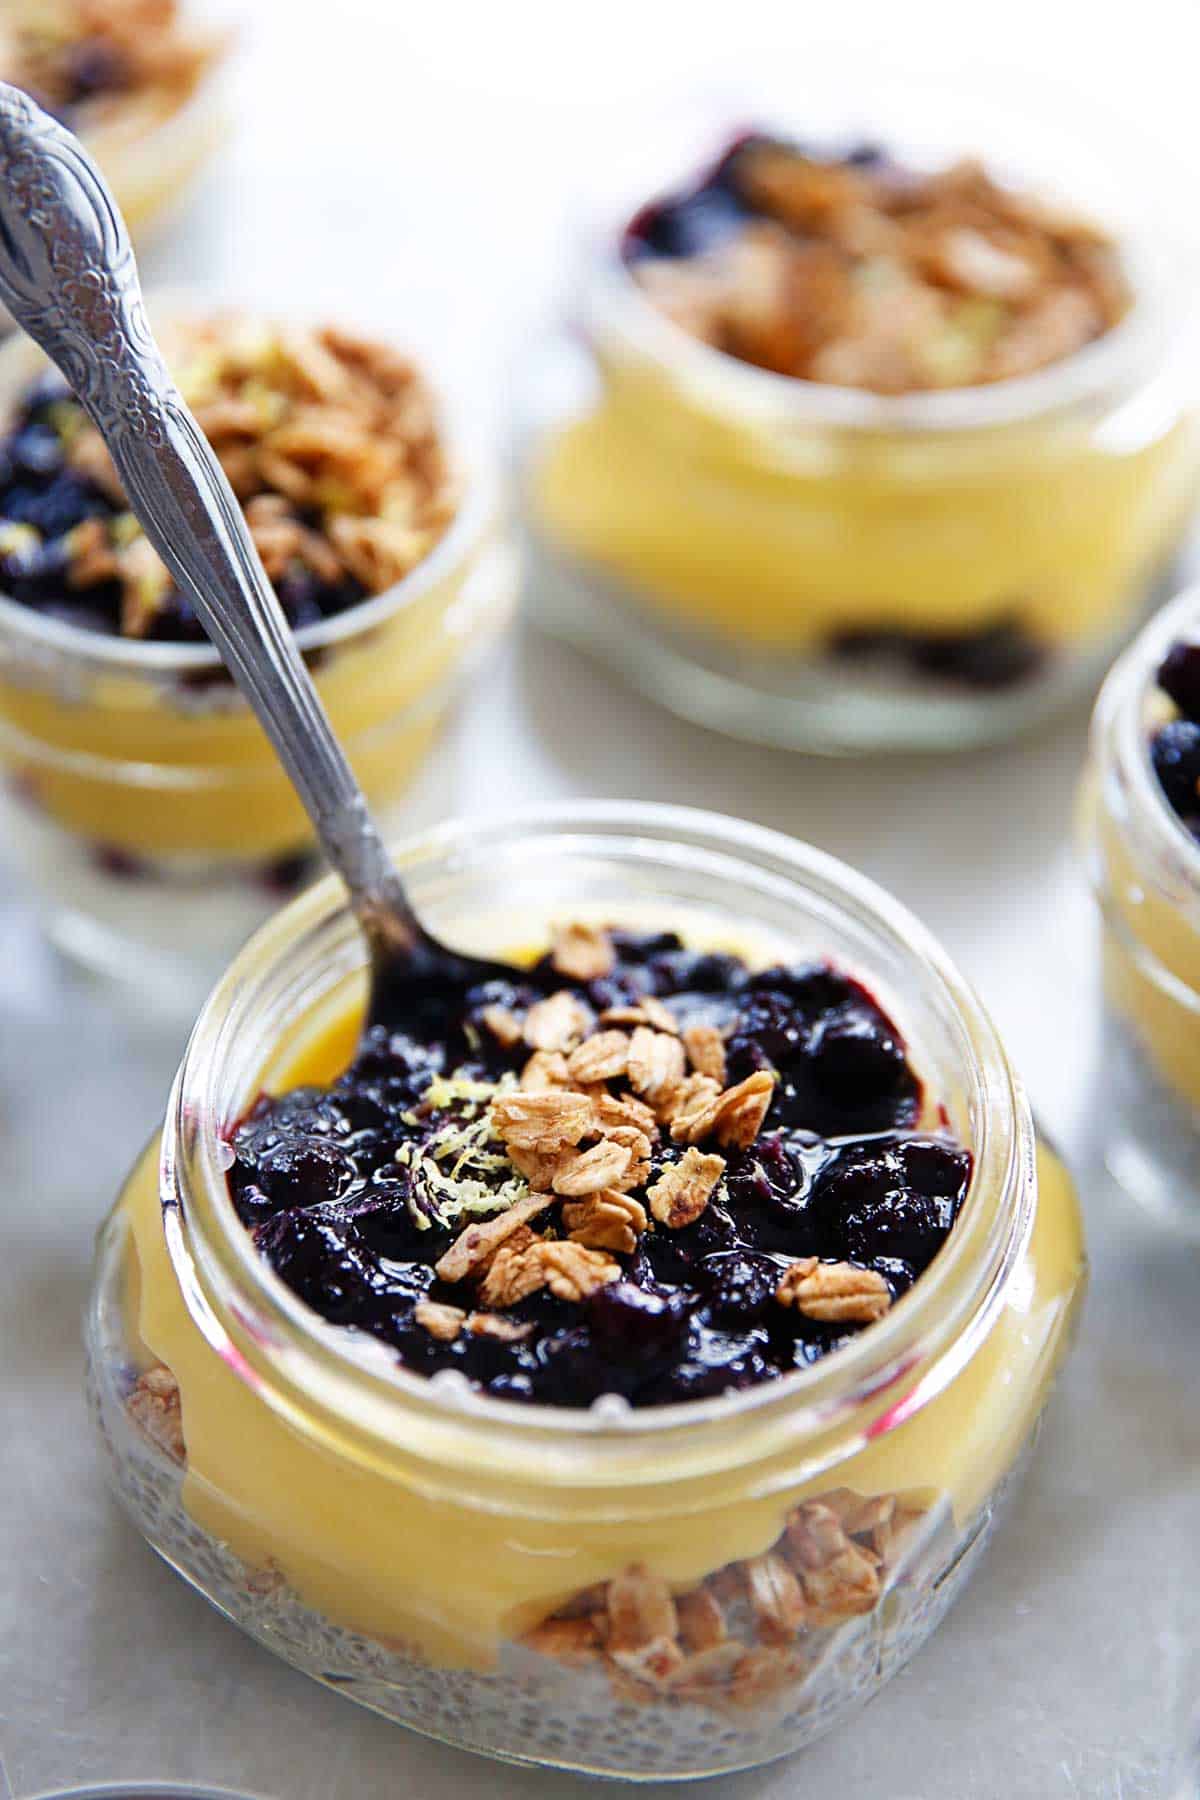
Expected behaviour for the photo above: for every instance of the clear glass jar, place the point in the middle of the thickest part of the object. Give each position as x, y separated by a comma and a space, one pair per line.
142, 801
435, 1553
153, 144
828, 569
1144, 868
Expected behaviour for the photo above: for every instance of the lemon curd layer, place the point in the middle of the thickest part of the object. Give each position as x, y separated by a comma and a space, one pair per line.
454, 1561
782, 542
155, 773
1152, 960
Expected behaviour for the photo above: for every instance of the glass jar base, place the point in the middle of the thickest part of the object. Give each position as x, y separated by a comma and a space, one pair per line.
531, 1709
1152, 1144
847, 705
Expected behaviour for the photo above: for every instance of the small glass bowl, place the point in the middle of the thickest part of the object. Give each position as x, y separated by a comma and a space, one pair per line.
1144, 868
138, 794
405, 1540
152, 147
827, 569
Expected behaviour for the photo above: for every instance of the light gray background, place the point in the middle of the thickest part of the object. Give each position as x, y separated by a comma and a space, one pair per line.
1072, 1667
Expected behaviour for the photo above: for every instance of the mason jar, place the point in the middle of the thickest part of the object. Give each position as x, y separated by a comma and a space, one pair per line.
442, 1555
1144, 868
139, 796
831, 569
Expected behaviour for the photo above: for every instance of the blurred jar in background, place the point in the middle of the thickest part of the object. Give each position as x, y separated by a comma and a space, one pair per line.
1141, 836
859, 453
142, 799
141, 81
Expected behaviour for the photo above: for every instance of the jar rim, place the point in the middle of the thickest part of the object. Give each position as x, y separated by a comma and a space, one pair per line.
924, 1340
1121, 739
473, 515
614, 304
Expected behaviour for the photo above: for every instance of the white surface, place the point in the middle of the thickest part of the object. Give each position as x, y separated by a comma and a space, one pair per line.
1072, 1668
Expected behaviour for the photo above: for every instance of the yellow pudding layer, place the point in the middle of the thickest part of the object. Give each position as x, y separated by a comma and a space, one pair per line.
1152, 959
452, 1562
126, 765
781, 543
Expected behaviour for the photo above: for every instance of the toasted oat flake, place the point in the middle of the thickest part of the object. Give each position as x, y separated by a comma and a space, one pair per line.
834, 1292
573, 1272
442, 1322
494, 1325
546, 1122
514, 1272
706, 1051
582, 952
701, 1620
155, 1404
684, 1189
742, 1109
557, 1023
473, 1247
693, 1109
606, 1220
545, 1069
648, 1011
602, 1057
656, 1063
777, 1598
640, 1608
604, 1165
504, 1025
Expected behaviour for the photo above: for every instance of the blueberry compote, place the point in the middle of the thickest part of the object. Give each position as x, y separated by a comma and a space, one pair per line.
353, 1193
1175, 746
44, 564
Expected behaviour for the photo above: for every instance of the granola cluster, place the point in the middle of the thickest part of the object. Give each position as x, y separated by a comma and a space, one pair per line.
330, 441
745, 1633
633, 1170
863, 273
735, 1639
574, 1139
89, 57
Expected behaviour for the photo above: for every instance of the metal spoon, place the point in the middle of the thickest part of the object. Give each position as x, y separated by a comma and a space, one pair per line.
68, 276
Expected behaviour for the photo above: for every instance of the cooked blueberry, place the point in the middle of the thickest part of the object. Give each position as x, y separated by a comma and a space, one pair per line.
630, 1325
345, 1188
322, 1260
739, 1288
857, 1053
877, 1201
1175, 754
1179, 678
309, 1170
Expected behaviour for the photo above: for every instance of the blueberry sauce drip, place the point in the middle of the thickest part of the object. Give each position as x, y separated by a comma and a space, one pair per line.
1175, 746
39, 489
838, 1171
995, 657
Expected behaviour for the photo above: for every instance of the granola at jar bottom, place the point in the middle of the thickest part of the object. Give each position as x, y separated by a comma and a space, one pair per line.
836, 457
619, 1365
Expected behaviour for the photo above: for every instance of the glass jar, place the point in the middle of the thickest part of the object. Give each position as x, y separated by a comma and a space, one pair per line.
437, 1554
140, 797
829, 569
1144, 868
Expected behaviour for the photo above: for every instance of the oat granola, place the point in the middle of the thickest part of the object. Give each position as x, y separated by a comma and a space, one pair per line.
861, 272
330, 442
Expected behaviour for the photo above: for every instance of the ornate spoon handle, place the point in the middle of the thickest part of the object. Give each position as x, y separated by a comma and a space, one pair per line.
68, 276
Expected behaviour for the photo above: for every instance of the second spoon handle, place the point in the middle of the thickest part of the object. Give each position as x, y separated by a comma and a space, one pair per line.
68, 276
